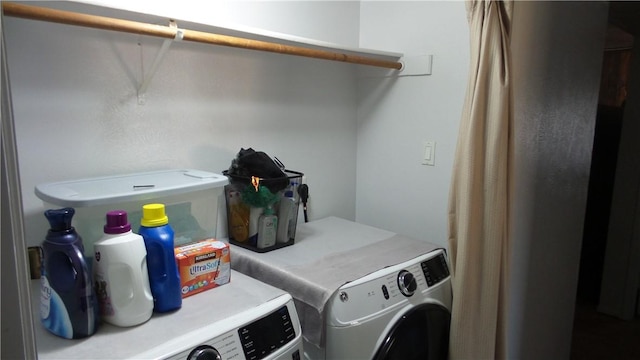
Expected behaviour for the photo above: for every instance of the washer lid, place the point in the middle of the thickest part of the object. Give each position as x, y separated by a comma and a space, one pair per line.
202, 316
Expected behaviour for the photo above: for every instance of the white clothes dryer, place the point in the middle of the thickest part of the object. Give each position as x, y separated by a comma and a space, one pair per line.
244, 319
361, 292
399, 312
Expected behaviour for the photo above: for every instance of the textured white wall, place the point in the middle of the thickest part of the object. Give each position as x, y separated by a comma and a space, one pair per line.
397, 115
76, 110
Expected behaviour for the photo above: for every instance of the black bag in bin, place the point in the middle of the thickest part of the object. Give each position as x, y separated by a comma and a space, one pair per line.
249, 162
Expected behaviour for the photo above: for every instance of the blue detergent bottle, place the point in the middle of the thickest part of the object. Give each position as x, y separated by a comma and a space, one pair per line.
161, 261
68, 306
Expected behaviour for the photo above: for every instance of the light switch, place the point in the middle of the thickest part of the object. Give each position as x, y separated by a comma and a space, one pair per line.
429, 153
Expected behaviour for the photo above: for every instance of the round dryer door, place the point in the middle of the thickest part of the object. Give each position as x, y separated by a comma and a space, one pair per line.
420, 334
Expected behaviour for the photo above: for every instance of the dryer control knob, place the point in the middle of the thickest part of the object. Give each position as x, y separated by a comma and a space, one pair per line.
407, 283
204, 352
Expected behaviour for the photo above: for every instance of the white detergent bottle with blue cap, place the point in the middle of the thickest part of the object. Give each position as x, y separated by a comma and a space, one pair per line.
120, 273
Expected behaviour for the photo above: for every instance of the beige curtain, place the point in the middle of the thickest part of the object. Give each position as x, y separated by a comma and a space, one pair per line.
480, 187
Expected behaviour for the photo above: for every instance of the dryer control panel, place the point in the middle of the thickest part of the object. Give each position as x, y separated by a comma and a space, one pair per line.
415, 281
435, 269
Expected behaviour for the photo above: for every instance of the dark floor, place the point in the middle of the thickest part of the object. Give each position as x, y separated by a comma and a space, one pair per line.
598, 336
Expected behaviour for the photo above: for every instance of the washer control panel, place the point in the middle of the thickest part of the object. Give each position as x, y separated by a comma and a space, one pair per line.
262, 337
253, 341
204, 352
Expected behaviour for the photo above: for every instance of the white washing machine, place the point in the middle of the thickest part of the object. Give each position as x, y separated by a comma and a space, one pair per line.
361, 292
244, 319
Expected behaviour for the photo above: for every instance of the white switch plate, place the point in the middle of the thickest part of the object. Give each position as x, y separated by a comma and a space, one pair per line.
429, 157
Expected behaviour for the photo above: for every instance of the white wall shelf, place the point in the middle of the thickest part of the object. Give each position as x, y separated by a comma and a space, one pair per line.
232, 37
236, 36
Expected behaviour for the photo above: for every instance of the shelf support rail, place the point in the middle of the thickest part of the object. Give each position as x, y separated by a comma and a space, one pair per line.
154, 66
168, 32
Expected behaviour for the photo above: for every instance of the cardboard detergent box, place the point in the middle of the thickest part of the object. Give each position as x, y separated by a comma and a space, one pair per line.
203, 265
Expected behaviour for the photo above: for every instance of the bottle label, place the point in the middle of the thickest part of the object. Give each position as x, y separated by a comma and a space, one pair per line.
45, 297
102, 293
267, 231
53, 312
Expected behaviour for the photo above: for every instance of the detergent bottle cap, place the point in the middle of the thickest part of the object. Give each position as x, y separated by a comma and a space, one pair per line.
268, 210
60, 219
154, 215
117, 222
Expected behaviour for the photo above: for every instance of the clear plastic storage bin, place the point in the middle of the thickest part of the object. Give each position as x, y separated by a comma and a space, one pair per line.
191, 198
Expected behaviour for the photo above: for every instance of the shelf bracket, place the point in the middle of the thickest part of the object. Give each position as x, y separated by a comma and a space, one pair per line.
417, 65
154, 66
412, 65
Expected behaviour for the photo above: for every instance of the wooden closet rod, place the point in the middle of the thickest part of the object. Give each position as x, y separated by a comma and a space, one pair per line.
106, 23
